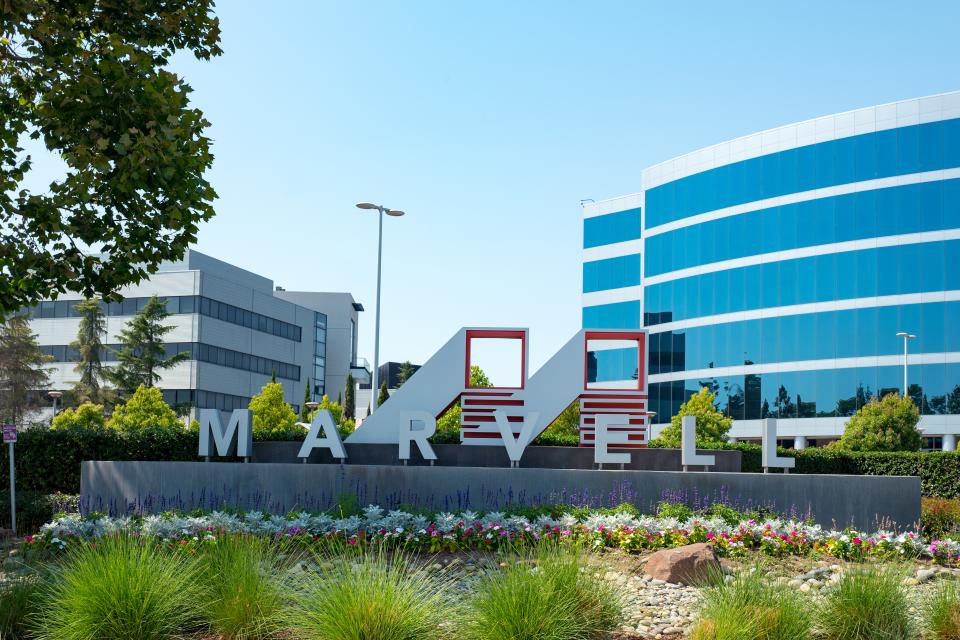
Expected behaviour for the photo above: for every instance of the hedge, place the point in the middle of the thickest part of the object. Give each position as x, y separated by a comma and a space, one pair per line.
49, 461
36, 509
939, 471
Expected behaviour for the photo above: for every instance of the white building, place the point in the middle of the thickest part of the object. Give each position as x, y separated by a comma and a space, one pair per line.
238, 329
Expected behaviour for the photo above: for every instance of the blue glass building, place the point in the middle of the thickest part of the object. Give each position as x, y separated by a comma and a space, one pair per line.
778, 268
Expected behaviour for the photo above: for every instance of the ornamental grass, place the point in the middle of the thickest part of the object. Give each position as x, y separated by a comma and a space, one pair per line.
240, 587
367, 596
943, 613
18, 600
551, 596
119, 588
750, 607
866, 604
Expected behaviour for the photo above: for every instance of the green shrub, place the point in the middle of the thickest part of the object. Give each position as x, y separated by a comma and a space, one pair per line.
552, 598
240, 589
35, 509
712, 424
119, 589
273, 418
18, 599
370, 596
752, 608
866, 604
943, 613
889, 424
674, 510
145, 411
49, 461
87, 416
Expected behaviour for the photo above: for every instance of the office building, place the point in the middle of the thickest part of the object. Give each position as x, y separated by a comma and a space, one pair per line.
238, 329
778, 268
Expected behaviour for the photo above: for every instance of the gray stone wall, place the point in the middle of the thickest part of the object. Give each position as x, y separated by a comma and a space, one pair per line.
117, 487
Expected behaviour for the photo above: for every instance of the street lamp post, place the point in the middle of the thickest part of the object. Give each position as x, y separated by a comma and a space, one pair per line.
55, 395
376, 331
906, 338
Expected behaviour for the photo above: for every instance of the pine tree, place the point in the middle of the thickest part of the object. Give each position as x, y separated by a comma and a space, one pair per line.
143, 355
21, 369
349, 399
89, 346
384, 394
273, 376
304, 409
406, 370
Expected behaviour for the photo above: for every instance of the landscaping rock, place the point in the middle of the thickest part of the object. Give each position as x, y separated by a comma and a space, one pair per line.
689, 565
924, 575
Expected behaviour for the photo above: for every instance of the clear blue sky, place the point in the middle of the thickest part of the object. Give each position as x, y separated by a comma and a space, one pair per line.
488, 122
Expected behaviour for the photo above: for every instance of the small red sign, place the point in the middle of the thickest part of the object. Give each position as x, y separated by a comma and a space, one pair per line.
9, 433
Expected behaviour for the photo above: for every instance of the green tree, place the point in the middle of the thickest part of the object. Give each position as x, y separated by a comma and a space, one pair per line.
335, 409
21, 369
87, 416
304, 409
406, 370
883, 425
144, 355
449, 422
712, 425
384, 394
272, 416
89, 347
144, 411
350, 398
89, 82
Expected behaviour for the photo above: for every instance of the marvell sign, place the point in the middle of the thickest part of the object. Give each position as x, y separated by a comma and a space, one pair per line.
613, 405
612, 414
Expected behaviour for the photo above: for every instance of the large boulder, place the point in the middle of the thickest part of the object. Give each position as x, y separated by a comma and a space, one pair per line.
690, 565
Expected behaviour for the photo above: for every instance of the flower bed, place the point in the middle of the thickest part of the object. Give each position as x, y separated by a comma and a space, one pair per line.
470, 531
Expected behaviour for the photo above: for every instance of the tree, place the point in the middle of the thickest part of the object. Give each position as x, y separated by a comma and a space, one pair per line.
350, 399
87, 416
21, 369
384, 394
143, 354
406, 370
336, 411
450, 420
144, 411
89, 346
304, 409
272, 416
712, 426
88, 81
889, 424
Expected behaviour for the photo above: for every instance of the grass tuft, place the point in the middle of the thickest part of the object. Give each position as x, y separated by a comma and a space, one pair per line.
551, 597
370, 596
240, 589
17, 602
943, 613
750, 607
122, 588
867, 604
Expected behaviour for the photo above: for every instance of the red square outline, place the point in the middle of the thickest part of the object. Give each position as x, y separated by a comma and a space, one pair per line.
639, 336
497, 333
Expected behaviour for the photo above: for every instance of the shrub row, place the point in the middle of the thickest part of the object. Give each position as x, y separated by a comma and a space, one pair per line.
49, 461
939, 471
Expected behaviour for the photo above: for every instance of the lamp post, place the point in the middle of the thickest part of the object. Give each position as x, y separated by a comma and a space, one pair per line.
55, 395
906, 338
376, 331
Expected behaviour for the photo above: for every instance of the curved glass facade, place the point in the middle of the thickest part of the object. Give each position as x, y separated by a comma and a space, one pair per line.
781, 278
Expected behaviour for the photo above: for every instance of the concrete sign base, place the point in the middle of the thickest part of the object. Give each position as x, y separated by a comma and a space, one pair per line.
866, 502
